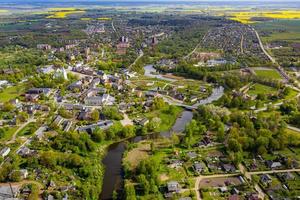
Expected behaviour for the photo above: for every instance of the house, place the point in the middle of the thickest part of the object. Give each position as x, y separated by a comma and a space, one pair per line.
102, 125
192, 155
105, 99
151, 94
47, 69
199, 167
265, 178
24, 151
173, 186
141, 122
9, 191
234, 197
23, 173
68, 126
3, 83
58, 120
32, 97
84, 115
273, 164
76, 85
175, 164
253, 196
4, 152
228, 168
287, 176
223, 189
44, 91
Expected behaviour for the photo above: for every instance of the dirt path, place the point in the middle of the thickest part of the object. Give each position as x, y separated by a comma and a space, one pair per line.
126, 120
13, 139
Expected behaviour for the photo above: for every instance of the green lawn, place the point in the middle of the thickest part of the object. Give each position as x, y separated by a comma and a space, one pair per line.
265, 73
28, 130
8, 132
167, 120
261, 89
11, 93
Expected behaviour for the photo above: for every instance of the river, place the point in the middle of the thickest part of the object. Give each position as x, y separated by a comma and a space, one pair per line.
113, 176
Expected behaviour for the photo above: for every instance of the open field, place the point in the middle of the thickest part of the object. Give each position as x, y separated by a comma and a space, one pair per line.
60, 13
248, 17
166, 120
28, 130
268, 73
279, 30
136, 155
11, 93
261, 89
8, 132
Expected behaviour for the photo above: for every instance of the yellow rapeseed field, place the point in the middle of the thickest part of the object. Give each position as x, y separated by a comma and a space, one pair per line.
104, 18
60, 13
246, 17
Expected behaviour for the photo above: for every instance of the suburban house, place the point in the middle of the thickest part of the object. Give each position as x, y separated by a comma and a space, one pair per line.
5, 151
105, 99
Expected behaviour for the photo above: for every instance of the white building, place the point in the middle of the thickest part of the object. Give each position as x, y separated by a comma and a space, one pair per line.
5, 151
105, 99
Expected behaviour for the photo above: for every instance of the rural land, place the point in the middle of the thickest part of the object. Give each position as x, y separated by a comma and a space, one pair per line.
141, 100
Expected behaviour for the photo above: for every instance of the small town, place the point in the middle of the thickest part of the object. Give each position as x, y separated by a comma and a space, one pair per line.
142, 100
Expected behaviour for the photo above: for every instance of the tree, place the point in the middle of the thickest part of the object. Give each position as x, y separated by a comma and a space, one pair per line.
234, 145
95, 115
34, 194
129, 191
97, 135
8, 107
158, 103
144, 184
15, 176
175, 139
128, 131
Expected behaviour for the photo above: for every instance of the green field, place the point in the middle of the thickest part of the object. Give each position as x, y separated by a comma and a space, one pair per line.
11, 93
261, 89
8, 132
268, 73
280, 30
28, 130
167, 120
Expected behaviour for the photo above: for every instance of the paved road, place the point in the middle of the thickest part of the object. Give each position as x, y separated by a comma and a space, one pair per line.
279, 68
113, 27
293, 128
274, 171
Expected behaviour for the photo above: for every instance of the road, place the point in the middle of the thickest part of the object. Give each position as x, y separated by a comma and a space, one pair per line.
278, 67
113, 27
141, 54
193, 51
13, 139
242, 44
293, 128
244, 172
263, 48
27, 141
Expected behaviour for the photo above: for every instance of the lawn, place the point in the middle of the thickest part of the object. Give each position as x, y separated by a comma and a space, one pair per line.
28, 130
261, 89
8, 132
280, 30
268, 73
167, 120
11, 93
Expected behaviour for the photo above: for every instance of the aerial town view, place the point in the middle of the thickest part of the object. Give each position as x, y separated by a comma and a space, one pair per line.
149, 100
